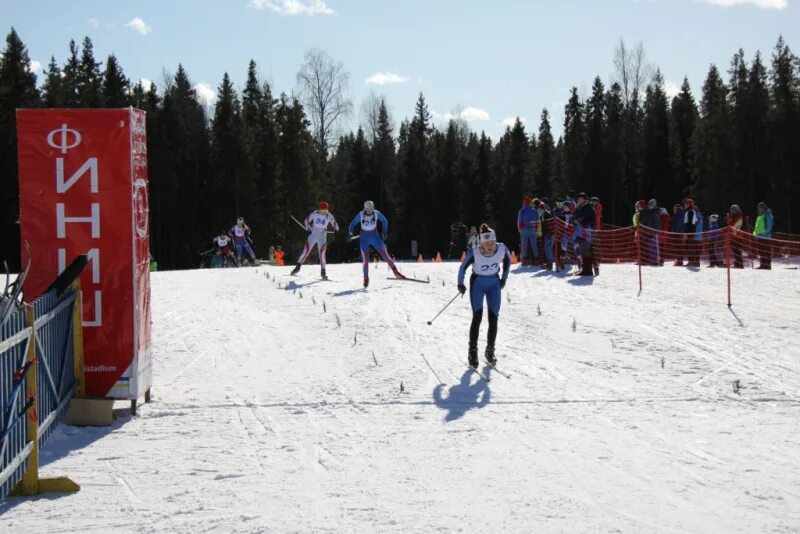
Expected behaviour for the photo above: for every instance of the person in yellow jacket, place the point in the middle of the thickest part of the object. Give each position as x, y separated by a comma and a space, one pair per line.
762, 231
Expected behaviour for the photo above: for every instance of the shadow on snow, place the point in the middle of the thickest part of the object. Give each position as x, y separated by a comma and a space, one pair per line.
462, 397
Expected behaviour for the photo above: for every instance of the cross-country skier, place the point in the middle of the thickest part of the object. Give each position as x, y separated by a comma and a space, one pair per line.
484, 283
317, 224
241, 234
369, 218
221, 243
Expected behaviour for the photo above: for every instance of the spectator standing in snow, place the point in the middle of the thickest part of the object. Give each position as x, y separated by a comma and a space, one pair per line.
527, 223
650, 217
734, 221
584, 224
762, 231
715, 242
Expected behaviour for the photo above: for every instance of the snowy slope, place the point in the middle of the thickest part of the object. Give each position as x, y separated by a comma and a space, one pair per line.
270, 415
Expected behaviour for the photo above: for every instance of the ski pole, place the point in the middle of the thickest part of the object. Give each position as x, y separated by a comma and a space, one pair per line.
445, 307
304, 228
298, 222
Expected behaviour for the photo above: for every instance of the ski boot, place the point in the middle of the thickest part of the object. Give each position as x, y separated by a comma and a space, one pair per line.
366, 282
472, 359
597, 269
323, 275
399, 275
295, 270
489, 355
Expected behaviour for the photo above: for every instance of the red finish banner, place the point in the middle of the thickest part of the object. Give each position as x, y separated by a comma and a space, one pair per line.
83, 190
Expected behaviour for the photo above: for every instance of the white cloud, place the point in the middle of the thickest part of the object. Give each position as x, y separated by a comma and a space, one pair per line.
470, 114
147, 84
386, 78
510, 121
35, 66
93, 23
764, 4
294, 7
205, 94
138, 25
671, 89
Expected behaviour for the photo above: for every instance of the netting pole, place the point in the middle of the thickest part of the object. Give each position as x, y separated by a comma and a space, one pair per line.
639, 252
728, 260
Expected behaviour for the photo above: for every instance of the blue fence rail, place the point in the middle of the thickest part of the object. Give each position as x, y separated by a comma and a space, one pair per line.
38, 378
14, 340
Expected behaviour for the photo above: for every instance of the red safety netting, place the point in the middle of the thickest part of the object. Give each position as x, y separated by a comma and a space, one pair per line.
716, 261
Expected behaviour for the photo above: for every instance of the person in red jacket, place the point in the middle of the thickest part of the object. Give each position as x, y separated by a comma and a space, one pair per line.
598, 213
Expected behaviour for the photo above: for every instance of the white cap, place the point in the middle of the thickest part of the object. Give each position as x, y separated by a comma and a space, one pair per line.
488, 236
369, 205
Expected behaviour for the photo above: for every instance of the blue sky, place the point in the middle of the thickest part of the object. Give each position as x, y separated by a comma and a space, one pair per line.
495, 59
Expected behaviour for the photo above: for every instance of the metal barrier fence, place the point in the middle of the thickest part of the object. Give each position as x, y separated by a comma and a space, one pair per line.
41, 366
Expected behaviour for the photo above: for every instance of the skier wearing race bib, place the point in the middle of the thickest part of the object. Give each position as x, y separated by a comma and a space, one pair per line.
485, 283
369, 218
240, 233
221, 243
317, 224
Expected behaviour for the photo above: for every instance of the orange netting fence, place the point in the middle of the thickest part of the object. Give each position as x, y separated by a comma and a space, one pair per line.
721, 257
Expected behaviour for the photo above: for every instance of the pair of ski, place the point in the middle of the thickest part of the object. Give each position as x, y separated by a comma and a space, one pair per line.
406, 279
494, 368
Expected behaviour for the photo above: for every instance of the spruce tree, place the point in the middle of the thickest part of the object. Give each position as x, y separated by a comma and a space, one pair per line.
657, 173
71, 80
53, 88
596, 165
785, 137
116, 87
90, 79
228, 190
545, 156
574, 141
615, 208
712, 147
683, 121
17, 90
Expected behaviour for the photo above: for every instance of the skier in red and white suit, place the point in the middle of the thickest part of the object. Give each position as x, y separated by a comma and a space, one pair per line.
317, 224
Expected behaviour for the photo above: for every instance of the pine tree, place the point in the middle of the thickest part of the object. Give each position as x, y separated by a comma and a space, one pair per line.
683, 121
17, 90
545, 156
115, 90
90, 79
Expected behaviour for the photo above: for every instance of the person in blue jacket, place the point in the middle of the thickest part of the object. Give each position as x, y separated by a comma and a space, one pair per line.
369, 218
527, 223
485, 283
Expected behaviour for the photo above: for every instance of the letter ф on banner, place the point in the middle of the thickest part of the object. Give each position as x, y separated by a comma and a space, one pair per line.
83, 190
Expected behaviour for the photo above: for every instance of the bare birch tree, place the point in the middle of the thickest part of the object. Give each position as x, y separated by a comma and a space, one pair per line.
324, 85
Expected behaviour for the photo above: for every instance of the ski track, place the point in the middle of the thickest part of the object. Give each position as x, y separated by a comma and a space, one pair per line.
269, 415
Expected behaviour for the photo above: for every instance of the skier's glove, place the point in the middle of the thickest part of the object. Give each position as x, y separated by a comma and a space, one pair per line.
350, 237
502, 283
462, 288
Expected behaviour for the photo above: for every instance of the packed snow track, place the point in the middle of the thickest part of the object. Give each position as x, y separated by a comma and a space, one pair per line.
289, 404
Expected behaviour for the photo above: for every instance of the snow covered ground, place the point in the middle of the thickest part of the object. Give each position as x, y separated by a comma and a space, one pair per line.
273, 415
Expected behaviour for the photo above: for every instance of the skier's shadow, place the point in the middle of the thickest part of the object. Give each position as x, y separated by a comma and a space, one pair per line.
462, 397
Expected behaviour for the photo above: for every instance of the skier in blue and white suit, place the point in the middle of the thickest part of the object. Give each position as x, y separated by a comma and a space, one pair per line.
485, 283
369, 218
